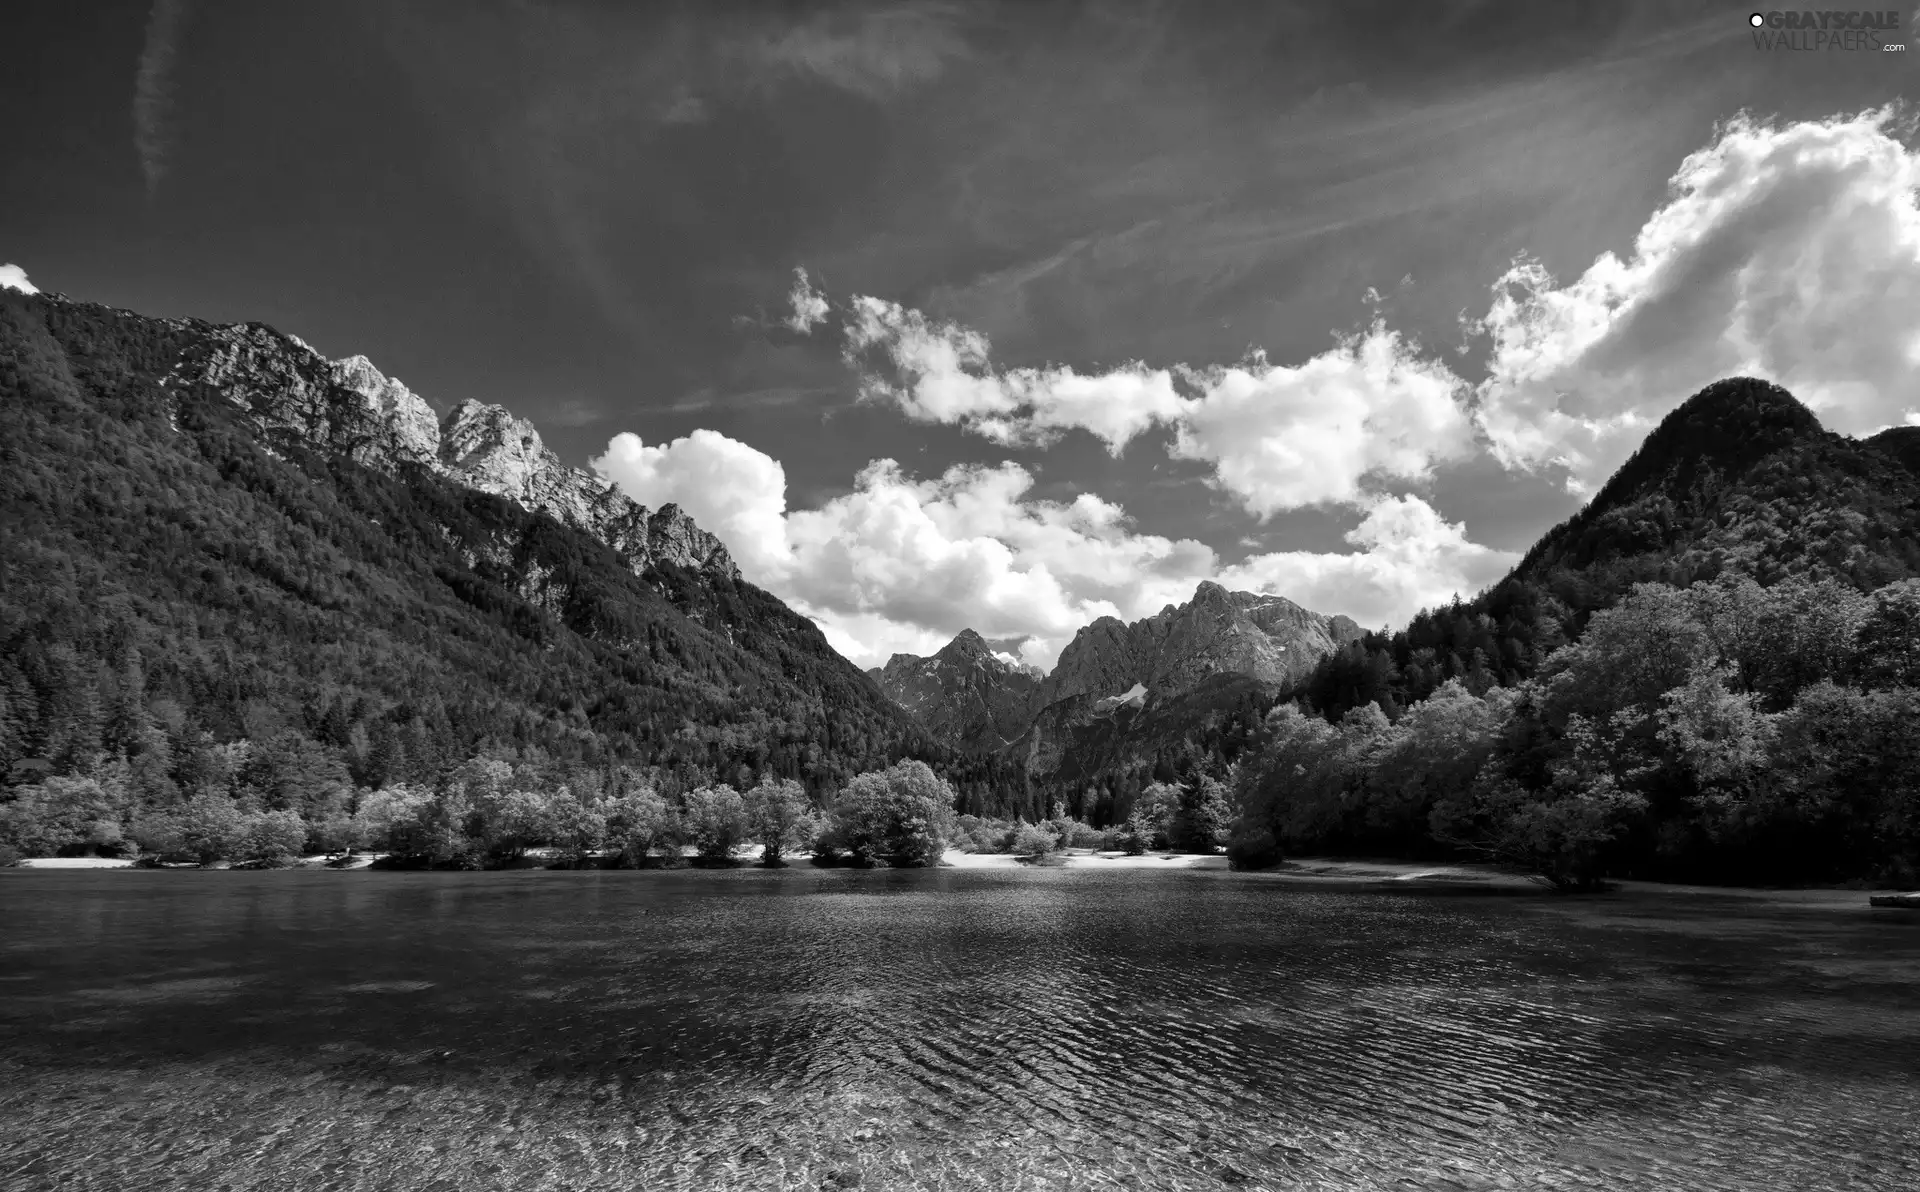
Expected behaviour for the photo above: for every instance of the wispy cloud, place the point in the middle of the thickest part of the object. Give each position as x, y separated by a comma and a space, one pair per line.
873, 52
153, 88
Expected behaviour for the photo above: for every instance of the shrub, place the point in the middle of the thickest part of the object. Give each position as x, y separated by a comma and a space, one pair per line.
1083, 835
1253, 848
268, 836
1034, 840
1135, 836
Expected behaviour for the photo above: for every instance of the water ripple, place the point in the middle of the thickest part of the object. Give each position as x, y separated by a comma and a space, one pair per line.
830, 1029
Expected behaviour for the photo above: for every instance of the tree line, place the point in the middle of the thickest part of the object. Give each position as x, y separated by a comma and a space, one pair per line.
1723, 732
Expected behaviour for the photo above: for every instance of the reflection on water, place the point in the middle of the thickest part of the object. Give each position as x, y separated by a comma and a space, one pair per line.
946, 1029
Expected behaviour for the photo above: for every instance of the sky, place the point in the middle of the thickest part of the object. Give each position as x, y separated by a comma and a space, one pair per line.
950, 313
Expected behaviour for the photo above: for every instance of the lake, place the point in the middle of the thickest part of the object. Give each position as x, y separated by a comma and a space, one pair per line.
993, 1029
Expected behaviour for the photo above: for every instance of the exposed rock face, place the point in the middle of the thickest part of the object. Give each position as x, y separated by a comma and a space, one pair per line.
966, 694
414, 428
350, 407
1112, 667
1268, 638
978, 700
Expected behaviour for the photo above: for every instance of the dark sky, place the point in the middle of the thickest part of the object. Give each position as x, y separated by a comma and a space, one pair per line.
590, 211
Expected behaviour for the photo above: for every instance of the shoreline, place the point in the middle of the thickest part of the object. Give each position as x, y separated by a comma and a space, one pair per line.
1464, 878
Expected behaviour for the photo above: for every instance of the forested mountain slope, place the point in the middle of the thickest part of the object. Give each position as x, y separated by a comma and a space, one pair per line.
1740, 478
212, 534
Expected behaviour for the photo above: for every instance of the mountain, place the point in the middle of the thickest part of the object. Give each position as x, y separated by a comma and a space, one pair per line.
1113, 671
966, 695
1741, 477
1122, 697
289, 392
220, 545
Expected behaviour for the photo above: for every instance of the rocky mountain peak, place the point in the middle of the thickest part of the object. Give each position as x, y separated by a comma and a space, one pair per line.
415, 429
966, 644
965, 693
1267, 638
351, 407
673, 537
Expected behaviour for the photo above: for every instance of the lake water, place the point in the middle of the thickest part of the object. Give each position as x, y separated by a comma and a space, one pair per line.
943, 1029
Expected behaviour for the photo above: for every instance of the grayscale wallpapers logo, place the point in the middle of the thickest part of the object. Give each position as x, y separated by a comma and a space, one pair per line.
1878, 32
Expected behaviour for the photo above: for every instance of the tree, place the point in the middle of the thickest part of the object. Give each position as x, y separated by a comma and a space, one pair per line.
1433, 754
1154, 811
902, 814
380, 810
210, 828
638, 822
781, 817
1565, 833
716, 821
574, 829
506, 824
1204, 817
62, 815
1890, 635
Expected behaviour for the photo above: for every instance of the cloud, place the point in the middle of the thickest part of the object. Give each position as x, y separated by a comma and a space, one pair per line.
1785, 251
1286, 437
1279, 437
684, 109
1409, 558
809, 305
874, 53
153, 88
902, 564
730, 489
943, 373
13, 277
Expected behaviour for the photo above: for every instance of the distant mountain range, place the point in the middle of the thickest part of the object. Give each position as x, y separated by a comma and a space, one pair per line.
248, 540
1112, 673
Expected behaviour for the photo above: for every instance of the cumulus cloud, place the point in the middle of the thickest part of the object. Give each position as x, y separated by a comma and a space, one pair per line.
13, 277
1785, 251
809, 305
1285, 437
1279, 437
731, 489
1409, 558
901, 564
